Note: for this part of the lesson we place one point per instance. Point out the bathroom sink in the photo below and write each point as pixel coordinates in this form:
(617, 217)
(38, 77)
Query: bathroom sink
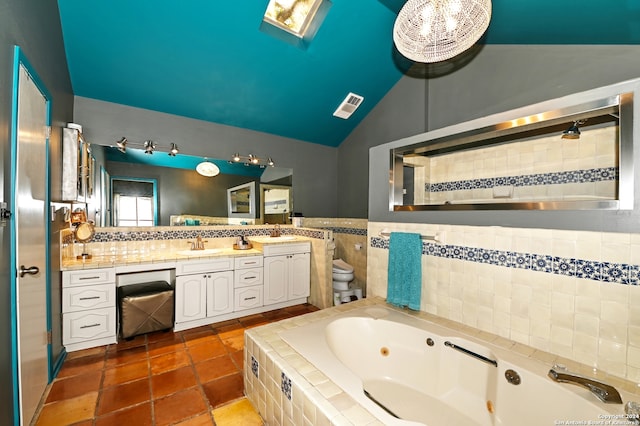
(274, 239)
(205, 252)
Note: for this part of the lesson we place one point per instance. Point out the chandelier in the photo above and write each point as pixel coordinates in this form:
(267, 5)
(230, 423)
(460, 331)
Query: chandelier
(436, 30)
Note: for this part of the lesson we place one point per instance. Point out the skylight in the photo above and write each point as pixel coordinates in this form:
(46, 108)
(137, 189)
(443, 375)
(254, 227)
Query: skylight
(293, 16)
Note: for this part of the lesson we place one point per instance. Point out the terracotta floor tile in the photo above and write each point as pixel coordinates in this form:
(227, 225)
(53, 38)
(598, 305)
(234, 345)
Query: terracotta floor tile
(139, 415)
(179, 406)
(173, 381)
(100, 350)
(73, 386)
(170, 361)
(238, 358)
(201, 420)
(215, 368)
(225, 389)
(233, 340)
(129, 343)
(253, 319)
(117, 397)
(126, 373)
(197, 335)
(125, 355)
(221, 327)
(207, 348)
(237, 413)
(166, 346)
(86, 364)
(112, 384)
(68, 411)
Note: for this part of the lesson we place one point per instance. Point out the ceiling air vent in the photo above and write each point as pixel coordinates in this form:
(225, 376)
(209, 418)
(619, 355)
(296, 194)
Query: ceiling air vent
(348, 106)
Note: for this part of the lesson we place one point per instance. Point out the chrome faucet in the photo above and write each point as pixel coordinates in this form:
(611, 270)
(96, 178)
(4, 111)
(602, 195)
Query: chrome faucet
(604, 392)
(276, 231)
(198, 244)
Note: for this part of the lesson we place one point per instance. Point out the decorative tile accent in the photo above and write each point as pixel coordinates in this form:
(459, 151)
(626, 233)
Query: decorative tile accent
(207, 232)
(285, 386)
(555, 178)
(618, 273)
(255, 367)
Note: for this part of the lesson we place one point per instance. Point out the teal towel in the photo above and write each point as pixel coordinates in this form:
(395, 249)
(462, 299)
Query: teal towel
(404, 285)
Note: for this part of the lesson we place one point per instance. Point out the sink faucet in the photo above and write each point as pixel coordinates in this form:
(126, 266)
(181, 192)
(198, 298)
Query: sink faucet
(276, 230)
(198, 244)
(604, 392)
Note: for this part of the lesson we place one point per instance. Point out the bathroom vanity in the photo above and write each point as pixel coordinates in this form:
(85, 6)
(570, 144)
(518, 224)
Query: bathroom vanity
(217, 286)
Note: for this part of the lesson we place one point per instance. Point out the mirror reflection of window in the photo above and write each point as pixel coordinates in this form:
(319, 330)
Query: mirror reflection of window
(134, 202)
(134, 211)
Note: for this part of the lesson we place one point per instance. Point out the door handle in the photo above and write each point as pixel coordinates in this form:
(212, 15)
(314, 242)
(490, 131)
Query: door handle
(32, 270)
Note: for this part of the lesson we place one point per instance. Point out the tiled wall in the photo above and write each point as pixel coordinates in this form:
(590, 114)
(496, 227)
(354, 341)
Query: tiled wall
(350, 238)
(546, 167)
(571, 293)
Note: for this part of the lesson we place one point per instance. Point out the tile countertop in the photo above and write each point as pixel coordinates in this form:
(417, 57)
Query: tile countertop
(108, 261)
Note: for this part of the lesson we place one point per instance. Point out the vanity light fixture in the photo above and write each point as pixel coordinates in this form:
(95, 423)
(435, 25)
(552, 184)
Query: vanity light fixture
(251, 160)
(573, 132)
(149, 147)
(436, 30)
(207, 168)
(121, 144)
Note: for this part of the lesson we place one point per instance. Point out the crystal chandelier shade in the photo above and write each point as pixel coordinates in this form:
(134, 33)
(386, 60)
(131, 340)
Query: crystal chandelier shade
(436, 30)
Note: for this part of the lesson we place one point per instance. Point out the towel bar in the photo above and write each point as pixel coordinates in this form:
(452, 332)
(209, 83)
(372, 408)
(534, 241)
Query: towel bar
(386, 234)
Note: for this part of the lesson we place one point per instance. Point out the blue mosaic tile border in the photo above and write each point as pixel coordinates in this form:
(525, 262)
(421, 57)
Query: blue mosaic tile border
(345, 230)
(188, 232)
(555, 178)
(618, 273)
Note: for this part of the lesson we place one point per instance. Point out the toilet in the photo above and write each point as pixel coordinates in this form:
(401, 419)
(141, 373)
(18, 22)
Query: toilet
(343, 289)
(342, 274)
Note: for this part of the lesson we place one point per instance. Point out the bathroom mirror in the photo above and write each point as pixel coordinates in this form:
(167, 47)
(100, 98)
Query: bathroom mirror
(576, 157)
(241, 201)
(179, 189)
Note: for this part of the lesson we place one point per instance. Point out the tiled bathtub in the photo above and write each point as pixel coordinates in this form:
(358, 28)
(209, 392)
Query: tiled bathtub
(287, 389)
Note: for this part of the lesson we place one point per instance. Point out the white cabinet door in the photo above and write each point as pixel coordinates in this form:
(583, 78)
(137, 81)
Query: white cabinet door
(276, 275)
(79, 327)
(248, 297)
(299, 275)
(190, 297)
(219, 293)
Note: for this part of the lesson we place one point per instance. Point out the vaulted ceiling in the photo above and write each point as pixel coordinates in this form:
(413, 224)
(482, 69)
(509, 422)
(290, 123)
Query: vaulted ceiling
(209, 60)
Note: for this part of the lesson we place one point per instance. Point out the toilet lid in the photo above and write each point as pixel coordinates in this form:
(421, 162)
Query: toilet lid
(340, 265)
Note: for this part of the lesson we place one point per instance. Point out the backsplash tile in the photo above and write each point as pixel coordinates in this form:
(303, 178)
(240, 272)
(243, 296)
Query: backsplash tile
(571, 293)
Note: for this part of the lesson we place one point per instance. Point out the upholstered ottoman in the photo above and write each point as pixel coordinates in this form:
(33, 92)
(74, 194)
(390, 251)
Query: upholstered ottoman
(145, 307)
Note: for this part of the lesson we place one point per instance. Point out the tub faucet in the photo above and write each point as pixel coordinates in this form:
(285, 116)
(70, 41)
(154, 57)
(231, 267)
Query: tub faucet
(604, 392)
(276, 230)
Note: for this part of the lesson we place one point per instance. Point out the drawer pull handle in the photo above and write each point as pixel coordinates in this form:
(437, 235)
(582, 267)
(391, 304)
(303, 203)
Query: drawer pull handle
(90, 298)
(89, 278)
(90, 325)
(249, 263)
(250, 298)
(250, 278)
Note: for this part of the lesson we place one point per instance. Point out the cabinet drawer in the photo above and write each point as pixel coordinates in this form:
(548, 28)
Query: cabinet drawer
(248, 262)
(93, 276)
(209, 265)
(248, 297)
(248, 277)
(88, 297)
(278, 249)
(88, 325)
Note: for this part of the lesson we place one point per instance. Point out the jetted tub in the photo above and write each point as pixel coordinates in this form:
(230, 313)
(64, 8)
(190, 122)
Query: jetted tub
(408, 371)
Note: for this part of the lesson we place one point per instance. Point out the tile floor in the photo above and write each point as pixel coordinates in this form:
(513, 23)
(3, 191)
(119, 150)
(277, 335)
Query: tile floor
(193, 377)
